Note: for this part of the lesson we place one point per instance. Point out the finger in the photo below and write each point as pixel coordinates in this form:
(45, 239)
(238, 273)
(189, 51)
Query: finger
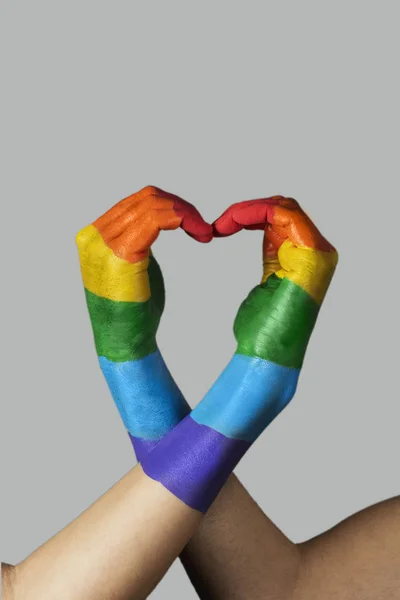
(114, 212)
(271, 262)
(84, 237)
(269, 249)
(285, 217)
(257, 227)
(156, 280)
(126, 204)
(126, 211)
(299, 228)
(251, 214)
(134, 243)
(192, 222)
(132, 214)
(276, 235)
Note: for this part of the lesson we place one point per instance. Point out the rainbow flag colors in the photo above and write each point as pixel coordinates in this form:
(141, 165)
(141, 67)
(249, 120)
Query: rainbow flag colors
(192, 455)
(272, 328)
(125, 297)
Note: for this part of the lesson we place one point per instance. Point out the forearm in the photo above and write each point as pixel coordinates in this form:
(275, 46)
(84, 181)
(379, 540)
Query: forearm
(235, 533)
(151, 405)
(216, 561)
(195, 460)
(119, 548)
(147, 397)
(237, 553)
(273, 327)
(125, 296)
(250, 558)
(359, 558)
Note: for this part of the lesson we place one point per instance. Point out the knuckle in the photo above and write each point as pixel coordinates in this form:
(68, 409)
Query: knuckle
(82, 238)
(150, 190)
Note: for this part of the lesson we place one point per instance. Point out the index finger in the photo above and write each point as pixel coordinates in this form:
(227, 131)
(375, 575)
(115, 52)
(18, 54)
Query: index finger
(250, 214)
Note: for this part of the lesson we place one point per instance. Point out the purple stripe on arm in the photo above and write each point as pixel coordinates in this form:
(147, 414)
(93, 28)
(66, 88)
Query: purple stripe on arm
(193, 462)
(142, 447)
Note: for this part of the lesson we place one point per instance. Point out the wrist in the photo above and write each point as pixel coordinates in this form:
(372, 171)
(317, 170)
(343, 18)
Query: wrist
(147, 397)
(247, 396)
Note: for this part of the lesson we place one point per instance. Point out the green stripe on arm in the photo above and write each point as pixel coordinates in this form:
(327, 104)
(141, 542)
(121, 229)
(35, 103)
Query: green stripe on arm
(123, 330)
(275, 322)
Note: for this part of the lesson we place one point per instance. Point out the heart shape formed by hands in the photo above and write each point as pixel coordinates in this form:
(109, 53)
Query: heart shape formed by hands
(276, 319)
(124, 285)
(125, 296)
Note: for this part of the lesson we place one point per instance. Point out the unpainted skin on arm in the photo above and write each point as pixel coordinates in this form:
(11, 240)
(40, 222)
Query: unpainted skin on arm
(238, 553)
(123, 544)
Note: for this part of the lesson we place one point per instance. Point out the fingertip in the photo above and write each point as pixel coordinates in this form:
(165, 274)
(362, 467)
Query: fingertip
(249, 214)
(207, 234)
(204, 239)
(224, 225)
(192, 222)
(203, 232)
(217, 233)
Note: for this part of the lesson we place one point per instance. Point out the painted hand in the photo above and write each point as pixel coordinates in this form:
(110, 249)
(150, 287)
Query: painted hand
(275, 322)
(272, 328)
(123, 281)
(276, 319)
(125, 296)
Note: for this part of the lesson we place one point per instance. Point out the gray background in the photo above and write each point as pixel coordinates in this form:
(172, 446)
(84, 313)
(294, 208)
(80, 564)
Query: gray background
(217, 102)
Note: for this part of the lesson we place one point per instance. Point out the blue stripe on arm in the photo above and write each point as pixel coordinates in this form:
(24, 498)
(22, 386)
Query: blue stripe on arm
(148, 399)
(246, 397)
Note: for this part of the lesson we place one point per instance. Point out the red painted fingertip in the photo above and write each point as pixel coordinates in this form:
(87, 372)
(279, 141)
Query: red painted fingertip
(192, 221)
(252, 214)
(225, 226)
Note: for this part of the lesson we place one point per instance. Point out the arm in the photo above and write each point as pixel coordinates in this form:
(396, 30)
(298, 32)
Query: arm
(119, 548)
(124, 292)
(283, 557)
(237, 553)
(213, 546)
(149, 401)
(359, 558)
(273, 327)
(125, 296)
(223, 466)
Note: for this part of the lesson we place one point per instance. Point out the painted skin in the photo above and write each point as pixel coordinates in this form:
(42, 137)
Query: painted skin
(276, 319)
(125, 296)
(272, 328)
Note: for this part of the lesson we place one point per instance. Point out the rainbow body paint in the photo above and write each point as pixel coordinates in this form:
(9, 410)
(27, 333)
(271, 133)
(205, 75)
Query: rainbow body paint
(125, 296)
(272, 328)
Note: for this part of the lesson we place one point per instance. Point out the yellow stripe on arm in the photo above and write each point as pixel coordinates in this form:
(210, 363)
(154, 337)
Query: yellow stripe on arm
(270, 266)
(308, 268)
(106, 275)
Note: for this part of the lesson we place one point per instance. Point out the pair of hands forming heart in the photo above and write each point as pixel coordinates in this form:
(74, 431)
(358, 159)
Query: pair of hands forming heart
(191, 453)
(274, 322)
